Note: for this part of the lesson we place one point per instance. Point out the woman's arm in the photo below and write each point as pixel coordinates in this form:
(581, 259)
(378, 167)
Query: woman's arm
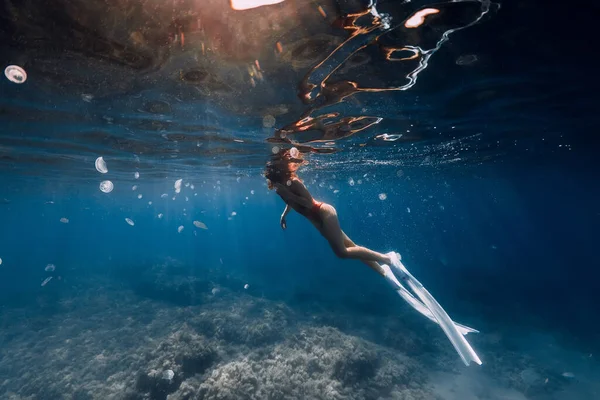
(282, 221)
(288, 196)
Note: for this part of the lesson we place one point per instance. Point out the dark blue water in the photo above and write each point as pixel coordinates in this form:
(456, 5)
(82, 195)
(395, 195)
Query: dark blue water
(489, 192)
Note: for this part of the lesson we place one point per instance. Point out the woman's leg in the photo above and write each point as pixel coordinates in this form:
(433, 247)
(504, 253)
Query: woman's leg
(374, 265)
(337, 240)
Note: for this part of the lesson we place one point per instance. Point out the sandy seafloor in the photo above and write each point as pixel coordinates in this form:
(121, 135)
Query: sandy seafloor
(108, 338)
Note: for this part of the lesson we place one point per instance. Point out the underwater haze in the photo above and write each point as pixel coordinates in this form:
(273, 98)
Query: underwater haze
(141, 252)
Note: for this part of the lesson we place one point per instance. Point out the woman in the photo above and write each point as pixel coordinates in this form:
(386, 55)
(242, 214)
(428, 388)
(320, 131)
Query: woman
(281, 175)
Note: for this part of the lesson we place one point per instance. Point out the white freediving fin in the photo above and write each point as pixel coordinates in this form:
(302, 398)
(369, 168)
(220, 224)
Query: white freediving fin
(453, 333)
(416, 303)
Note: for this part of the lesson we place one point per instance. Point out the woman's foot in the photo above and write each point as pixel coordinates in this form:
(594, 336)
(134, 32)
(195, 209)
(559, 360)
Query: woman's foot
(393, 259)
(396, 265)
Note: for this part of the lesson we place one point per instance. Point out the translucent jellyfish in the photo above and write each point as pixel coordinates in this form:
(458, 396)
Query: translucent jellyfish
(294, 152)
(351, 182)
(160, 216)
(50, 268)
(252, 192)
(140, 196)
(64, 220)
(101, 165)
(275, 149)
(336, 191)
(164, 195)
(246, 286)
(0, 261)
(15, 74)
(180, 229)
(134, 187)
(187, 198)
(187, 184)
(408, 210)
(87, 97)
(268, 121)
(233, 214)
(106, 186)
(192, 187)
(129, 221)
(399, 173)
(177, 185)
(382, 196)
(48, 279)
(467, 59)
(215, 291)
(200, 225)
(149, 203)
(136, 175)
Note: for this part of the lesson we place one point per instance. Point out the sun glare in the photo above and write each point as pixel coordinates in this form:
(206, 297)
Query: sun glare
(248, 4)
(419, 17)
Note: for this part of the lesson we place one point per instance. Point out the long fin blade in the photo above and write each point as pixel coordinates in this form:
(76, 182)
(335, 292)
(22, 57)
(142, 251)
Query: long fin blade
(460, 344)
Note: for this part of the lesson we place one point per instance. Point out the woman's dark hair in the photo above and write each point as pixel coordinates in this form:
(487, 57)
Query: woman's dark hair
(282, 168)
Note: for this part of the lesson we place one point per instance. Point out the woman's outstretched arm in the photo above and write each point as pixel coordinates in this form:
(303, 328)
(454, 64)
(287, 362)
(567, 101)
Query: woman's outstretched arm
(282, 221)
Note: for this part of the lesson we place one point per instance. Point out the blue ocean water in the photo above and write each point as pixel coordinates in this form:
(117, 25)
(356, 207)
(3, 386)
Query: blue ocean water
(180, 283)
